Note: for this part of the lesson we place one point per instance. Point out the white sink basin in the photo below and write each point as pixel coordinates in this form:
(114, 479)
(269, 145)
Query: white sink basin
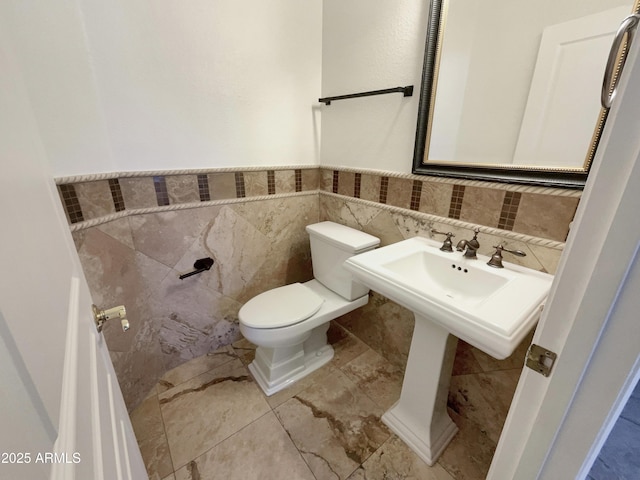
(490, 308)
(440, 276)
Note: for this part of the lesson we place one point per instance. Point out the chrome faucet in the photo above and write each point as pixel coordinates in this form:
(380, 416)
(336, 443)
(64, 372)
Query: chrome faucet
(470, 247)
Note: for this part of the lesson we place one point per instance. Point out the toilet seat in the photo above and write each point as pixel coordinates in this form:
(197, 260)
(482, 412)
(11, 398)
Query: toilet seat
(280, 307)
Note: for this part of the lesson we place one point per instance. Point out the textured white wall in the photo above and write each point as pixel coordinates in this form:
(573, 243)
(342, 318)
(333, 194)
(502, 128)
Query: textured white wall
(143, 85)
(50, 46)
(371, 45)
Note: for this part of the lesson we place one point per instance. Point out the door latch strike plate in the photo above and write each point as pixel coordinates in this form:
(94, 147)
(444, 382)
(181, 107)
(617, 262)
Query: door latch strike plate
(540, 359)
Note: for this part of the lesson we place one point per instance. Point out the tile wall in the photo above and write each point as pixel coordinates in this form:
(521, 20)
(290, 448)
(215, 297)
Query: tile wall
(136, 232)
(533, 211)
(135, 257)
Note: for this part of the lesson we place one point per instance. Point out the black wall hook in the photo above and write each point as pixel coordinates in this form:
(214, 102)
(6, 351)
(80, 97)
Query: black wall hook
(200, 266)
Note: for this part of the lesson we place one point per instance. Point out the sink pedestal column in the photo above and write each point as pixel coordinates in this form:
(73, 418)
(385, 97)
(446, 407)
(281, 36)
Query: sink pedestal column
(420, 417)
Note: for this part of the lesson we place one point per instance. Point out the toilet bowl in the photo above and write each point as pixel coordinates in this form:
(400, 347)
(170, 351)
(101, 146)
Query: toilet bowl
(289, 324)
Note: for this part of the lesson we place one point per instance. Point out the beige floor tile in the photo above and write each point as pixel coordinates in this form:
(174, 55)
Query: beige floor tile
(484, 398)
(200, 413)
(260, 451)
(195, 367)
(146, 419)
(331, 416)
(394, 460)
(157, 460)
(153, 392)
(346, 346)
(334, 425)
(465, 361)
(376, 377)
(245, 350)
(469, 454)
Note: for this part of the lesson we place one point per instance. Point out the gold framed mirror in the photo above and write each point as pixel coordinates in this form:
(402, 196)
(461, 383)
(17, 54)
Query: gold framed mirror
(514, 95)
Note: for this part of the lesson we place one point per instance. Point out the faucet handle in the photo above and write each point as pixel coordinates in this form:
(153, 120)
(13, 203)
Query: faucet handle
(518, 253)
(447, 245)
(496, 258)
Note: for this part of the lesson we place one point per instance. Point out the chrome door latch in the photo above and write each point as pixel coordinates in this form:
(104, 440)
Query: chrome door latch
(540, 359)
(101, 316)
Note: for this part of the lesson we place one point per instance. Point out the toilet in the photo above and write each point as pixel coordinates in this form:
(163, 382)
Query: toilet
(289, 324)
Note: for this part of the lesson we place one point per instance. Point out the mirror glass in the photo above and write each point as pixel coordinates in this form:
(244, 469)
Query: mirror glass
(511, 91)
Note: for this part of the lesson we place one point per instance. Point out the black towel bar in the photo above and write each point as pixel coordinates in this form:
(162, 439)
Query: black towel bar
(406, 91)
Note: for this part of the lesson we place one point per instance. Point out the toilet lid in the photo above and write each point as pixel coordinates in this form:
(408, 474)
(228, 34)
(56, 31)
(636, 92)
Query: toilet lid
(280, 307)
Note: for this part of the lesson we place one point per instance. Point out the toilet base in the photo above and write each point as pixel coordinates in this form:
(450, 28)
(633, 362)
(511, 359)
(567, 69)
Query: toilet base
(310, 363)
(285, 355)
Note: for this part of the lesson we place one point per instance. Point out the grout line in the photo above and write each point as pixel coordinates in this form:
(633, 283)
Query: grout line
(164, 429)
(542, 264)
(294, 444)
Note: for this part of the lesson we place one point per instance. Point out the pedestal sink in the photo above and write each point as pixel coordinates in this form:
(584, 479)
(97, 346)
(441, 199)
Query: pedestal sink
(452, 297)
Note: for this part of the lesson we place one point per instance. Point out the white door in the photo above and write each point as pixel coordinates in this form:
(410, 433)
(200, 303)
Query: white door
(564, 99)
(557, 424)
(62, 415)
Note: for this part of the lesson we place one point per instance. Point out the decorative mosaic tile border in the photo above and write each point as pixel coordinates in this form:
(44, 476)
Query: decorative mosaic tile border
(558, 192)
(71, 203)
(95, 199)
(537, 212)
(529, 239)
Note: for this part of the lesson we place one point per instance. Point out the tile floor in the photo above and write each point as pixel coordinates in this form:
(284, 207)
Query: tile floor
(208, 419)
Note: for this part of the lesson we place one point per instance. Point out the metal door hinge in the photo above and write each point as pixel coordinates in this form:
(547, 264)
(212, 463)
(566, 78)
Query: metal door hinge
(540, 359)
(101, 316)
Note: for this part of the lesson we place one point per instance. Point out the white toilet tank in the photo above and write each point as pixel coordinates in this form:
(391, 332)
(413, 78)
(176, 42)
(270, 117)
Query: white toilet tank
(331, 245)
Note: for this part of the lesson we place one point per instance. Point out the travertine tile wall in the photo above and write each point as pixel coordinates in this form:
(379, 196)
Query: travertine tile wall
(136, 233)
(136, 256)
